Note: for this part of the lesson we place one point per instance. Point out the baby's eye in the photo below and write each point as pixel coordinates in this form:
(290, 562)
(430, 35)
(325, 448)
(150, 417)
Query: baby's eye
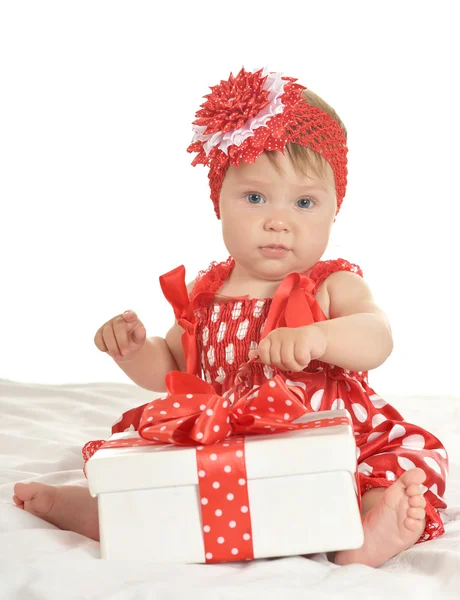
(303, 203)
(255, 198)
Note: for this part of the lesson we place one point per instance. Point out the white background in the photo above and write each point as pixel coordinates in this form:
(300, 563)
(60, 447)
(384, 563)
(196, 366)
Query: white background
(98, 197)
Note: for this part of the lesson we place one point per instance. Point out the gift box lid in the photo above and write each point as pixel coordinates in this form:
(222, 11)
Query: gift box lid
(315, 450)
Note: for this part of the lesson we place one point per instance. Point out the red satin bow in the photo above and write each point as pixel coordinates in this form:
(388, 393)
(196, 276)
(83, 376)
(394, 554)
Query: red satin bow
(175, 291)
(193, 413)
(293, 304)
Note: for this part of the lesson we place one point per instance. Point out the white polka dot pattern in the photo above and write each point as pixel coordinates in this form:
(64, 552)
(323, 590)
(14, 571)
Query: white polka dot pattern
(229, 354)
(338, 404)
(433, 464)
(236, 312)
(414, 442)
(397, 432)
(377, 419)
(211, 355)
(242, 329)
(374, 436)
(215, 313)
(365, 468)
(360, 412)
(268, 371)
(258, 308)
(221, 332)
(377, 401)
(220, 375)
(294, 384)
(316, 399)
(405, 463)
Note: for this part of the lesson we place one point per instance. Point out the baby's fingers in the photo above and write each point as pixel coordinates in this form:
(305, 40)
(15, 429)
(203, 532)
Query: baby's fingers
(288, 357)
(99, 340)
(129, 336)
(110, 341)
(139, 334)
(302, 355)
(120, 328)
(264, 351)
(275, 354)
(135, 328)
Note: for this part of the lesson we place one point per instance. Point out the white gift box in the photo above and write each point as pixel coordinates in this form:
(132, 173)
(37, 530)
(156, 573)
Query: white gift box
(301, 487)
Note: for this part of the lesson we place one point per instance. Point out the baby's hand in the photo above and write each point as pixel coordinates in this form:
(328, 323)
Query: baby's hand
(291, 348)
(121, 337)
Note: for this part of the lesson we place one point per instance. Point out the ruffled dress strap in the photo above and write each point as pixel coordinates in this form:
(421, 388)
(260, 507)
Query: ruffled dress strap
(322, 269)
(186, 307)
(209, 281)
(175, 291)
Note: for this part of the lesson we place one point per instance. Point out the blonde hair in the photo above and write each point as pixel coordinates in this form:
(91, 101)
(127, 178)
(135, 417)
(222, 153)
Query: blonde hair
(305, 160)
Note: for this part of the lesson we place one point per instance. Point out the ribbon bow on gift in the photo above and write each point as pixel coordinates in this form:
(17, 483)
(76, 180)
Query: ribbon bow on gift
(193, 413)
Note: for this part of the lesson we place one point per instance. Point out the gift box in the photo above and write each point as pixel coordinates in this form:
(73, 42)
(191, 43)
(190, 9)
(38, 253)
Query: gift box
(245, 497)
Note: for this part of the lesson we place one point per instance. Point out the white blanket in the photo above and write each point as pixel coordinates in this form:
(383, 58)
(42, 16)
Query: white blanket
(41, 433)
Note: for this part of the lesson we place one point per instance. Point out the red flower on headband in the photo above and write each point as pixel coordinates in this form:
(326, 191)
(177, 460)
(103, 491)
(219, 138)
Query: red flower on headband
(243, 113)
(263, 111)
(233, 102)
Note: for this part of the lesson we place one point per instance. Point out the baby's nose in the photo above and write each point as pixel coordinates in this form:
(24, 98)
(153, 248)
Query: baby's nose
(277, 224)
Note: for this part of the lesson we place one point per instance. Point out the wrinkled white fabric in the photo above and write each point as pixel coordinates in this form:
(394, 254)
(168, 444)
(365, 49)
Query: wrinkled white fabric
(42, 430)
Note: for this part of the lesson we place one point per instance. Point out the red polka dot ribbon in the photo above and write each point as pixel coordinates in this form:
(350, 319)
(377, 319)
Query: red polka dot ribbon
(225, 513)
(193, 414)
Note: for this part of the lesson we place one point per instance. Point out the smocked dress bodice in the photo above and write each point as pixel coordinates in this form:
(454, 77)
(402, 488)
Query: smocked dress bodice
(227, 329)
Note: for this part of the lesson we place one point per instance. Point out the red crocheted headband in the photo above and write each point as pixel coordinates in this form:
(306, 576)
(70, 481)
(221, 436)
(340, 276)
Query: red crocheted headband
(259, 111)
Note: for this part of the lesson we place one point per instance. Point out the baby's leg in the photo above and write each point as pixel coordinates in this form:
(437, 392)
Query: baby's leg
(68, 507)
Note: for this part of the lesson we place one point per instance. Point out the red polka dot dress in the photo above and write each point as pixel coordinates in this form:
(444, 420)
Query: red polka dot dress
(220, 332)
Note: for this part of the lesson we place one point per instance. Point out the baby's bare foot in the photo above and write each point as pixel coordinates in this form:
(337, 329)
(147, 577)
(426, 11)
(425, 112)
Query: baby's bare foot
(36, 498)
(392, 525)
(68, 507)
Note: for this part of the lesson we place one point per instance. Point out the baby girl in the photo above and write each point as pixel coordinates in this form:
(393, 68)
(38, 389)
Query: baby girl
(277, 158)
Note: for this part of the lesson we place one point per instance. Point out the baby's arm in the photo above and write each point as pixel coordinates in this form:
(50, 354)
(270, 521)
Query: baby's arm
(149, 367)
(358, 332)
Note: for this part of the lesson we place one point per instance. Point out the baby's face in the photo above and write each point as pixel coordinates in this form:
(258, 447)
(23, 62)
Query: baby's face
(261, 209)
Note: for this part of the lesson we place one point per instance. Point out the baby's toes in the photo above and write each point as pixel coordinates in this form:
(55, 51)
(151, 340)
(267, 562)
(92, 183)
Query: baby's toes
(416, 513)
(412, 524)
(417, 501)
(412, 477)
(415, 475)
(25, 491)
(414, 490)
(34, 497)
